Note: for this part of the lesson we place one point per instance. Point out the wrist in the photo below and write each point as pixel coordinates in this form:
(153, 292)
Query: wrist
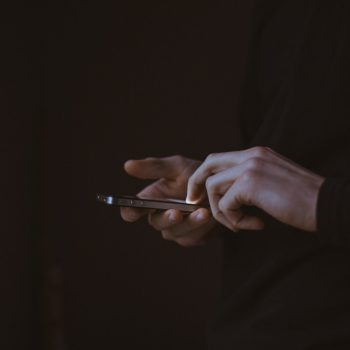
(316, 185)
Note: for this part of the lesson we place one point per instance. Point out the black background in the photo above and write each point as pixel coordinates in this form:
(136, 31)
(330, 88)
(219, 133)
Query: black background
(86, 86)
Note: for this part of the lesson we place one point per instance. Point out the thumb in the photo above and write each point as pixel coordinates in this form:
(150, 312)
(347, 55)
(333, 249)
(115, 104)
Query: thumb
(153, 168)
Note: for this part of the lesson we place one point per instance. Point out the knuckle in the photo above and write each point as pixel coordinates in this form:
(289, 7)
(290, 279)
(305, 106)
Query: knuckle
(255, 163)
(260, 151)
(250, 184)
(208, 157)
(157, 163)
(209, 182)
(178, 158)
(212, 186)
(211, 156)
(250, 177)
(194, 181)
(190, 181)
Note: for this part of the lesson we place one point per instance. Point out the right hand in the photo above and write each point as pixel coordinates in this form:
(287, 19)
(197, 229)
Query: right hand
(171, 175)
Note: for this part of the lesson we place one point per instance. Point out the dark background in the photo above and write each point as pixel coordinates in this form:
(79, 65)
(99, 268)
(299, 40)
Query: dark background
(86, 86)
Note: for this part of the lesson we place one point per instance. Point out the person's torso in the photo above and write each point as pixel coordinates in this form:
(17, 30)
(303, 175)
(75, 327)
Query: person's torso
(282, 288)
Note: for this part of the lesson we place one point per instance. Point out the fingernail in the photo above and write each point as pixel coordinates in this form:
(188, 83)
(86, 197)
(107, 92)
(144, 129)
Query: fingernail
(127, 163)
(190, 200)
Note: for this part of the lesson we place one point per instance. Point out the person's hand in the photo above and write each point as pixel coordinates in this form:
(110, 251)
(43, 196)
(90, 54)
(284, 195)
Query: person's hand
(171, 175)
(256, 177)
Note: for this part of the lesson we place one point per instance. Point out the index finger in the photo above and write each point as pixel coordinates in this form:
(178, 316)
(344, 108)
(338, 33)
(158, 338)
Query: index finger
(153, 168)
(213, 164)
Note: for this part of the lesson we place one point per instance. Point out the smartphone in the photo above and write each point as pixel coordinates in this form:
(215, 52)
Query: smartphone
(149, 203)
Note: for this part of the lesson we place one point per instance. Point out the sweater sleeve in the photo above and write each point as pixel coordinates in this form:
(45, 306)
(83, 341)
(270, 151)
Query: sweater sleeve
(333, 212)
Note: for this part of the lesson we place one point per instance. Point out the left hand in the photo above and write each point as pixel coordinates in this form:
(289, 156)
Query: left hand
(256, 177)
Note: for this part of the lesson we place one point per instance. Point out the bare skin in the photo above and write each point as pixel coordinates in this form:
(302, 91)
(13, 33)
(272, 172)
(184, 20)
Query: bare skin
(255, 177)
(261, 178)
(171, 175)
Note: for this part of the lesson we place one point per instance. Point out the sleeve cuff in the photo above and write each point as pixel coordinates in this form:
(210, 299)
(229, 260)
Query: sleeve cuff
(329, 220)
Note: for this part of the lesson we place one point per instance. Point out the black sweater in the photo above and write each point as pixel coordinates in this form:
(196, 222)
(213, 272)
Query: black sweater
(284, 288)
